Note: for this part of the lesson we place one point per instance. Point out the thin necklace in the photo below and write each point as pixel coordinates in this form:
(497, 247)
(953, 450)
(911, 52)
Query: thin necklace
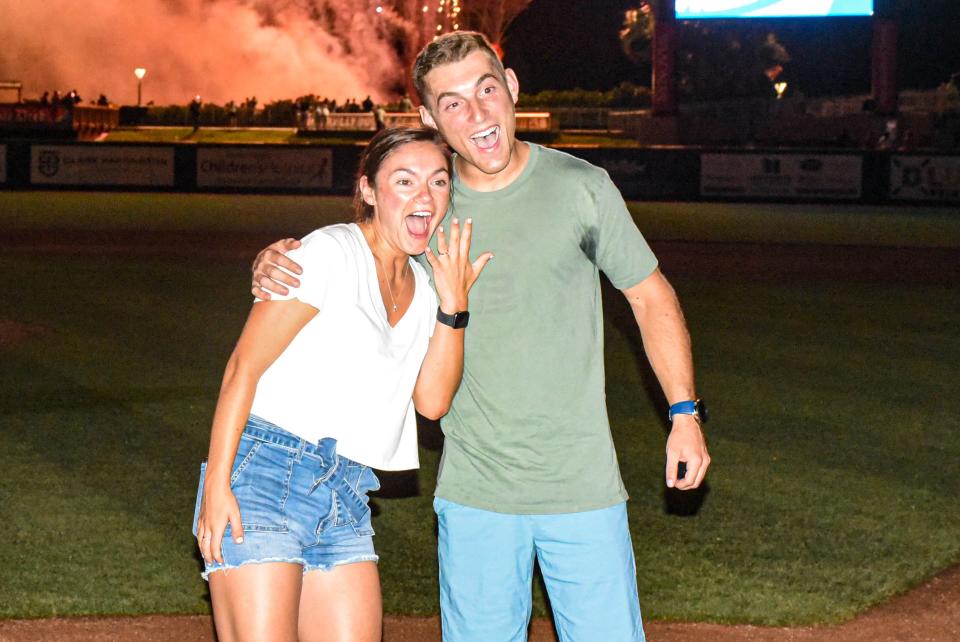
(403, 276)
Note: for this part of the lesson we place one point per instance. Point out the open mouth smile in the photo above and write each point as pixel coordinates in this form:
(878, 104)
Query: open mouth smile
(418, 223)
(487, 138)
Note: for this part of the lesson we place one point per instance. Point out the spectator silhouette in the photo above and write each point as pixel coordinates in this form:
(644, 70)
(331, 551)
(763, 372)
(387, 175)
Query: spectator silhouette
(321, 116)
(380, 117)
(195, 113)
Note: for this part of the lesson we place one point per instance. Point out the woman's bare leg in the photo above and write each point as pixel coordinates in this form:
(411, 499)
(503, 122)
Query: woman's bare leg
(342, 605)
(257, 602)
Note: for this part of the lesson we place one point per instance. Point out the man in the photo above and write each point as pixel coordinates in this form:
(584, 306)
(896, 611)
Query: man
(322, 115)
(379, 117)
(195, 105)
(528, 465)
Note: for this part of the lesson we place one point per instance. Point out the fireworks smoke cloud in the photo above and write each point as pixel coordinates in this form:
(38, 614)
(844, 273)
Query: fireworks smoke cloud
(220, 49)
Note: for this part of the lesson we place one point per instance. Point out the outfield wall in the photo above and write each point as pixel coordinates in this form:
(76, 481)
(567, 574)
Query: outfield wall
(662, 173)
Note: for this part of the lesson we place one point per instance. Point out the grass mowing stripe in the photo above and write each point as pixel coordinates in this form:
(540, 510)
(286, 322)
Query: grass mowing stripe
(821, 469)
(286, 215)
(95, 525)
(832, 425)
(882, 225)
(297, 215)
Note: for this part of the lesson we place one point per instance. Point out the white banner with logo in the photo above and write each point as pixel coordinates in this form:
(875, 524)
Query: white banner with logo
(101, 165)
(269, 167)
(3, 163)
(925, 178)
(787, 175)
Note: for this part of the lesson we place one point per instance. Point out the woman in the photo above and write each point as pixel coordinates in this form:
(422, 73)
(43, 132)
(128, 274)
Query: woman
(322, 386)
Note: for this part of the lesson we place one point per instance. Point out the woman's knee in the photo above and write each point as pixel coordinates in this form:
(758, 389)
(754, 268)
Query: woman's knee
(256, 602)
(342, 605)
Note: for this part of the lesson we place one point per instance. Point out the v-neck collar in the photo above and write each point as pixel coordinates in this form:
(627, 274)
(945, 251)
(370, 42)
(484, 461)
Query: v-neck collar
(373, 283)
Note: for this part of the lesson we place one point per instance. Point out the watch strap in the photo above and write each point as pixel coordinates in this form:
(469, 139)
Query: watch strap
(457, 320)
(689, 407)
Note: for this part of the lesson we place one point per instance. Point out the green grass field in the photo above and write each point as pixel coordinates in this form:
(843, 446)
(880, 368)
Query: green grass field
(873, 225)
(288, 135)
(218, 135)
(834, 437)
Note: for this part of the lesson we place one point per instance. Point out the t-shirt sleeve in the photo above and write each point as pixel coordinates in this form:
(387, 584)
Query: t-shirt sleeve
(613, 241)
(323, 261)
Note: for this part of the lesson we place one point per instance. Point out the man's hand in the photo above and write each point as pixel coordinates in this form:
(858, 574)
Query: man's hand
(273, 271)
(686, 444)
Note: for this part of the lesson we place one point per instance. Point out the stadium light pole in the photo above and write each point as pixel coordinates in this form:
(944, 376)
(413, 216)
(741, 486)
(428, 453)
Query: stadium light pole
(884, 58)
(139, 72)
(664, 47)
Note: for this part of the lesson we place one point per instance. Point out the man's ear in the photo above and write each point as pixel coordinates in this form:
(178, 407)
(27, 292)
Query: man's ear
(366, 191)
(427, 118)
(513, 85)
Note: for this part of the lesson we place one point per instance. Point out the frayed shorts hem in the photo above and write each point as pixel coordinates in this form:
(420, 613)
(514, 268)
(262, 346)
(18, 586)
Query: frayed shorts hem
(307, 568)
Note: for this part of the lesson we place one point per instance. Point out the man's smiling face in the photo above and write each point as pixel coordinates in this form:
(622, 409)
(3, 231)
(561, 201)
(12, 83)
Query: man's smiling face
(471, 102)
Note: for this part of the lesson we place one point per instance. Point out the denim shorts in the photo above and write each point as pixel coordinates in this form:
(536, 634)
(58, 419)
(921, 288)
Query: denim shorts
(300, 502)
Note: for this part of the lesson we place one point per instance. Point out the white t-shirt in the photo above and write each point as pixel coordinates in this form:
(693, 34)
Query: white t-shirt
(347, 374)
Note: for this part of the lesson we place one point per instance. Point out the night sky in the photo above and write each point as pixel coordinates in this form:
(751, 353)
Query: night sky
(562, 44)
(224, 50)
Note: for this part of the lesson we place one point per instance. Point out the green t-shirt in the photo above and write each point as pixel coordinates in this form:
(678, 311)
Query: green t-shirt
(528, 432)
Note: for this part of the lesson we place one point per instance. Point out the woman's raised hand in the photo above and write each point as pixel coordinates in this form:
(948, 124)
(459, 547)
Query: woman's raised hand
(453, 273)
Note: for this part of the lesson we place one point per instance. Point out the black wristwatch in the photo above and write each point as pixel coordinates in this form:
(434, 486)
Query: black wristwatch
(457, 320)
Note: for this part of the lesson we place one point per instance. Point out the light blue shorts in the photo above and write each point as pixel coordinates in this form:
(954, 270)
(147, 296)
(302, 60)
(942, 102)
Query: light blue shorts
(300, 502)
(486, 569)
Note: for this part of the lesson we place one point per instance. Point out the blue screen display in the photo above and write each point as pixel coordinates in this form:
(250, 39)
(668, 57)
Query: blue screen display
(699, 9)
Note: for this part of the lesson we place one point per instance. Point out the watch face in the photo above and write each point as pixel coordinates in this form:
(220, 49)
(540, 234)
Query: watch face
(457, 320)
(701, 409)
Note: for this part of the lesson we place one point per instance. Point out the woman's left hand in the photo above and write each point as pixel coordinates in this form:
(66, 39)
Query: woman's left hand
(453, 273)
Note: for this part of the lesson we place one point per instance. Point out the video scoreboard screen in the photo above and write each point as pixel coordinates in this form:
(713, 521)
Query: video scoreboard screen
(701, 9)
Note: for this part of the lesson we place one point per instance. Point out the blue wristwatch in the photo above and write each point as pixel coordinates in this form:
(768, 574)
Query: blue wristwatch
(694, 407)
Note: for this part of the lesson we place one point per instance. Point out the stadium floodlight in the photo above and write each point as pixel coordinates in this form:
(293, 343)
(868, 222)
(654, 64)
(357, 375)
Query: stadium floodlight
(139, 72)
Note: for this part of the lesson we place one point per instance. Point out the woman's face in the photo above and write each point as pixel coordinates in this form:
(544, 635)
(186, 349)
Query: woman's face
(409, 195)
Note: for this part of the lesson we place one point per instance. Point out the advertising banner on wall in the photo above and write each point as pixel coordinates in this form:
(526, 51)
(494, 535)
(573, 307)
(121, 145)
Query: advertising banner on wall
(646, 173)
(29, 115)
(785, 175)
(265, 167)
(925, 178)
(101, 165)
(3, 163)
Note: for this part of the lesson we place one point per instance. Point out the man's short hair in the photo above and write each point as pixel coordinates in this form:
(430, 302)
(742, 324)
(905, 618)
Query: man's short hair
(448, 48)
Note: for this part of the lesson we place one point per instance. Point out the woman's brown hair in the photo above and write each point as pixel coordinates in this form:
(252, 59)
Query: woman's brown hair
(384, 143)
